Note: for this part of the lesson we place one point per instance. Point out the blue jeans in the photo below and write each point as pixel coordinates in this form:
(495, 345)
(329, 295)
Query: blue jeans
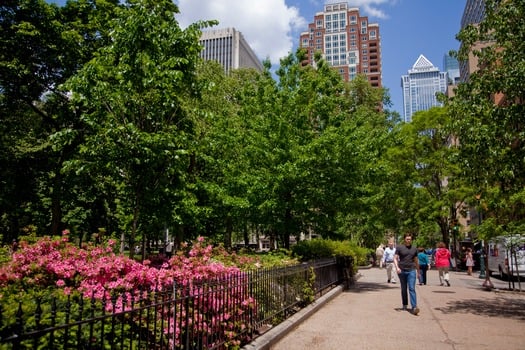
(407, 279)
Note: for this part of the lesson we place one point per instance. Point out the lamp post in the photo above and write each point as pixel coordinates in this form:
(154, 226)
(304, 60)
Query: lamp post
(482, 272)
(482, 266)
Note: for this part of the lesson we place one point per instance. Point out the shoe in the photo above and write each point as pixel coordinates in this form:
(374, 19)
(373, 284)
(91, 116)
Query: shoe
(393, 281)
(448, 283)
(404, 308)
(388, 281)
(441, 284)
(415, 311)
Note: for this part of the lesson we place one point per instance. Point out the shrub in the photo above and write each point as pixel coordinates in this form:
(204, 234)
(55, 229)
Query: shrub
(325, 248)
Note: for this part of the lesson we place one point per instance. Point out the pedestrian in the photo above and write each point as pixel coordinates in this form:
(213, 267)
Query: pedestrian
(424, 265)
(469, 260)
(388, 260)
(380, 251)
(407, 268)
(169, 249)
(14, 246)
(442, 255)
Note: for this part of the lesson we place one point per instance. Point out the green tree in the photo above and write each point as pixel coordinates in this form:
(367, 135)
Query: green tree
(41, 46)
(427, 159)
(488, 114)
(130, 99)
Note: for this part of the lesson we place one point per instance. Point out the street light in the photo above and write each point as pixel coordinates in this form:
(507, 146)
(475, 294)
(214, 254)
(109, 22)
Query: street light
(482, 267)
(482, 272)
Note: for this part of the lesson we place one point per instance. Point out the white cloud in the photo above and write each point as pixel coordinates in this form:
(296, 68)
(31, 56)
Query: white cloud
(369, 7)
(269, 26)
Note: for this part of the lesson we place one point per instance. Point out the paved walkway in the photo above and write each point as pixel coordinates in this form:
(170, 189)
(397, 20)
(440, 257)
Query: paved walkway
(368, 316)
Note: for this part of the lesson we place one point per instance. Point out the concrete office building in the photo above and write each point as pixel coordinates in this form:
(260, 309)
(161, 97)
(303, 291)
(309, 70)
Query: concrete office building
(347, 41)
(420, 86)
(229, 48)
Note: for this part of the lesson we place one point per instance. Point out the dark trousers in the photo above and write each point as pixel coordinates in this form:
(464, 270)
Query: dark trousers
(423, 274)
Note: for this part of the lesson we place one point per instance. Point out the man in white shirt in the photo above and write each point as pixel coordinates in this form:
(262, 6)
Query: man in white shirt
(388, 260)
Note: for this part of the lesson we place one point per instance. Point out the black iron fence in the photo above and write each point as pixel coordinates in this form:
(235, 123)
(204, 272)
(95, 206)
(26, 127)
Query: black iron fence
(217, 313)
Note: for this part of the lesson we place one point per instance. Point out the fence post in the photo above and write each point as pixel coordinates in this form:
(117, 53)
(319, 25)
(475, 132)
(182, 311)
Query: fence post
(345, 265)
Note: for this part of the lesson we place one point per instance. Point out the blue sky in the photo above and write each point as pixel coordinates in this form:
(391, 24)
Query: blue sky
(408, 28)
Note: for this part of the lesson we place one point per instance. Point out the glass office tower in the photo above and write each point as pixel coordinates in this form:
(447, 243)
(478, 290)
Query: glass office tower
(420, 86)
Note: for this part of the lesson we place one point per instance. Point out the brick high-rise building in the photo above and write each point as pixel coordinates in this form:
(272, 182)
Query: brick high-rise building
(348, 42)
(473, 14)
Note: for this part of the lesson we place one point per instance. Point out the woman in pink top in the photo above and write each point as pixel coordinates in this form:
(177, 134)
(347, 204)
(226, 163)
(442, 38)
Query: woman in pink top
(442, 260)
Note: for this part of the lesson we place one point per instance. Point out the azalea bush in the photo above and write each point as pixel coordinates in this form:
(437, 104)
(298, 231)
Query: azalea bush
(53, 267)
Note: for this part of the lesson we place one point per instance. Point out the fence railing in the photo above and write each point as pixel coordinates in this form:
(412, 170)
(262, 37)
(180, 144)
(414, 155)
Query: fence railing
(208, 314)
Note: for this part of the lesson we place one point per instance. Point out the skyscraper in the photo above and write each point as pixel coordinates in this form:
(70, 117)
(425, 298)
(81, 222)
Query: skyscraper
(420, 86)
(451, 66)
(348, 42)
(229, 48)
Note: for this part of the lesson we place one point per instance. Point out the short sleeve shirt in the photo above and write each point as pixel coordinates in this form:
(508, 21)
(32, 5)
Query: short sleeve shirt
(406, 257)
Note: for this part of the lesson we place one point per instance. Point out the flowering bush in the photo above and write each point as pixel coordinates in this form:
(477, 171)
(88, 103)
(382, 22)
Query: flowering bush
(97, 272)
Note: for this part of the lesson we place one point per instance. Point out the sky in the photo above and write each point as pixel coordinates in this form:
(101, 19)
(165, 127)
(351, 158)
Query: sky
(408, 28)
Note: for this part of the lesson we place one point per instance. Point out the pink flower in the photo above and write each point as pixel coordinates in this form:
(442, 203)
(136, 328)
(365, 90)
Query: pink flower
(60, 283)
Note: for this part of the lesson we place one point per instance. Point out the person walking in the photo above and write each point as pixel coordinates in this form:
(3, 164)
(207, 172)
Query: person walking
(380, 251)
(388, 260)
(469, 261)
(407, 268)
(442, 256)
(423, 266)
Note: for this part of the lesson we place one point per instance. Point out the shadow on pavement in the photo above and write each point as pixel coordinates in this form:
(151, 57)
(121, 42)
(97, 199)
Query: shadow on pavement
(498, 307)
(364, 287)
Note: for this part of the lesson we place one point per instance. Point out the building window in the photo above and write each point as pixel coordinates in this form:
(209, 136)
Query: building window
(363, 24)
(353, 19)
(364, 38)
(317, 33)
(363, 30)
(319, 23)
(373, 34)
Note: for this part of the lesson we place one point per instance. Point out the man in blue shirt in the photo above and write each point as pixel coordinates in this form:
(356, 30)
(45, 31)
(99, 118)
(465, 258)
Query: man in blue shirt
(388, 260)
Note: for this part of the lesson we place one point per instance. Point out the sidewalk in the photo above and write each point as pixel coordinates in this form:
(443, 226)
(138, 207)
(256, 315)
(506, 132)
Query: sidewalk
(368, 316)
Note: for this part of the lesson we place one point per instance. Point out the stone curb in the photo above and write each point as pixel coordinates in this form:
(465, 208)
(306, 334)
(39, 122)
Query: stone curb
(272, 336)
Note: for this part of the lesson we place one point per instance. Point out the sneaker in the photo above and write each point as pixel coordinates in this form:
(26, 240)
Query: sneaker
(448, 283)
(404, 308)
(415, 311)
(388, 281)
(393, 281)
